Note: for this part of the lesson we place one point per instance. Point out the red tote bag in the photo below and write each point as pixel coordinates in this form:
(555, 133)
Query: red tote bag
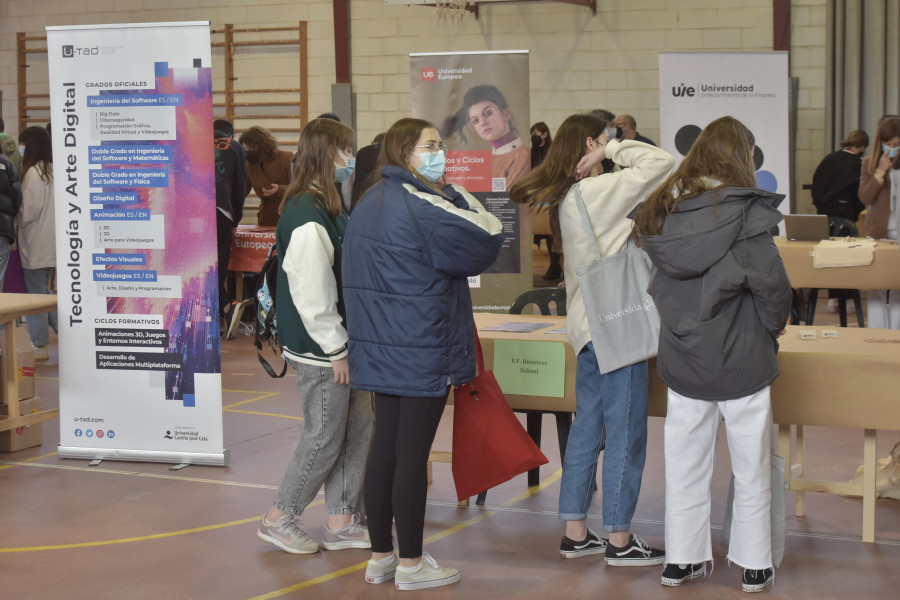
(490, 446)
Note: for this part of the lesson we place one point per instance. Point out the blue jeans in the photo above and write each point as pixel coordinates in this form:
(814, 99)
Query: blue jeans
(617, 403)
(333, 445)
(36, 282)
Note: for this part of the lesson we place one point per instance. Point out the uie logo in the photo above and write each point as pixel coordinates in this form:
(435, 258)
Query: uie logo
(681, 91)
(68, 51)
(429, 74)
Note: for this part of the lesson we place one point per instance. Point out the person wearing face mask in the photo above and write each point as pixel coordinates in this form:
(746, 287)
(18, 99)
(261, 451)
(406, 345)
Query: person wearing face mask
(409, 248)
(541, 140)
(268, 172)
(879, 188)
(625, 128)
(337, 419)
(835, 187)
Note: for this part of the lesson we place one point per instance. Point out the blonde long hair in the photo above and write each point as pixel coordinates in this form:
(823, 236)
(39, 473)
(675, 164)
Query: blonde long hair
(721, 157)
(314, 167)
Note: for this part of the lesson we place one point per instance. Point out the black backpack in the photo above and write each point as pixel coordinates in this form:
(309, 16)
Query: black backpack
(266, 326)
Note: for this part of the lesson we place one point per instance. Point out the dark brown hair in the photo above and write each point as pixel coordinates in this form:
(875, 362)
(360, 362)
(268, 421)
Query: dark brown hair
(545, 187)
(722, 156)
(314, 168)
(38, 153)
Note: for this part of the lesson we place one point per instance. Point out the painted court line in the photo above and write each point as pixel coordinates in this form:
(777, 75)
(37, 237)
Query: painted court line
(261, 396)
(141, 538)
(138, 474)
(262, 414)
(487, 513)
(25, 462)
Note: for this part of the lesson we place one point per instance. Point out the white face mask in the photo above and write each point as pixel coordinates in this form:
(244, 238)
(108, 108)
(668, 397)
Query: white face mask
(21, 150)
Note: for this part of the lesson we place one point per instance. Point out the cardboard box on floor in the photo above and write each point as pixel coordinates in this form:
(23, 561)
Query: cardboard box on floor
(22, 437)
(24, 363)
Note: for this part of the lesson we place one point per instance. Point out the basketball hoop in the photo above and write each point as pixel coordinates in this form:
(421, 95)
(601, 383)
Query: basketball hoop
(450, 10)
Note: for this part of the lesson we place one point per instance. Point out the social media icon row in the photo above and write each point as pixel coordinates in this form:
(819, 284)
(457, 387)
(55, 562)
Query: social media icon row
(99, 433)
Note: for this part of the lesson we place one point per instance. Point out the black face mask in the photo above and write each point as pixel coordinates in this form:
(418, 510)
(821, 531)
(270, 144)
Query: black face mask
(536, 141)
(252, 156)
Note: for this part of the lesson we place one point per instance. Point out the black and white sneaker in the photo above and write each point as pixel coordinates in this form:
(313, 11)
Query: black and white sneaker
(636, 553)
(592, 544)
(756, 580)
(674, 575)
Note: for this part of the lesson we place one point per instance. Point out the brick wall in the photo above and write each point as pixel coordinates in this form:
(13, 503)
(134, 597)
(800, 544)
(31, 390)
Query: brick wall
(578, 61)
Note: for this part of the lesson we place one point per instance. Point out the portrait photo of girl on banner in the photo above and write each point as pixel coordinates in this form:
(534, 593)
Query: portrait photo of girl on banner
(486, 113)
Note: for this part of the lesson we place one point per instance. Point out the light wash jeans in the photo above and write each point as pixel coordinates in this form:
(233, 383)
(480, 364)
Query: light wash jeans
(616, 402)
(36, 281)
(690, 448)
(333, 446)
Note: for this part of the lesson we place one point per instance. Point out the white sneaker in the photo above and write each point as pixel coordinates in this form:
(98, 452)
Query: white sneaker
(379, 571)
(285, 534)
(41, 353)
(354, 535)
(427, 574)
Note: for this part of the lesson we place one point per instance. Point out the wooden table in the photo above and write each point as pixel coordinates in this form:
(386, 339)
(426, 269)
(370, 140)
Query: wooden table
(882, 274)
(12, 306)
(813, 389)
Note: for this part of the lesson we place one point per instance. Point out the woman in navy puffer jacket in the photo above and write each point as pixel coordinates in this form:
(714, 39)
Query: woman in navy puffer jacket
(410, 245)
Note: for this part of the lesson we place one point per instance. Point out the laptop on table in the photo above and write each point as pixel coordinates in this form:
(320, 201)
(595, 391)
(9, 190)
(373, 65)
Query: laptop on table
(806, 227)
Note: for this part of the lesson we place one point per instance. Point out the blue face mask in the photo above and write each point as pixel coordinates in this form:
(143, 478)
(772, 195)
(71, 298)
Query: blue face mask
(614, 132)
(342, 173)
(891, 152)
(433, 165)
(22, 150)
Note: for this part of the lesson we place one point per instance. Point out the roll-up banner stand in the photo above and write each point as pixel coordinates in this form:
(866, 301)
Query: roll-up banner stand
(697, 88)
(479, 102)
(139, 356)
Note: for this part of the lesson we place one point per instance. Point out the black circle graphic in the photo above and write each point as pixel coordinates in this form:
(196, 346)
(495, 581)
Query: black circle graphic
(758, 157)
(685, 138)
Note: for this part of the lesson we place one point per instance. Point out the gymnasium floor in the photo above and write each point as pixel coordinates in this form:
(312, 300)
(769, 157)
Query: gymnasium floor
(125, 530)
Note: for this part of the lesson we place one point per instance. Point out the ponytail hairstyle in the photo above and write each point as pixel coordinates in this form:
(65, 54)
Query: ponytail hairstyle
(314, 167)
(545, 187)
(856, 139)
(722, 156)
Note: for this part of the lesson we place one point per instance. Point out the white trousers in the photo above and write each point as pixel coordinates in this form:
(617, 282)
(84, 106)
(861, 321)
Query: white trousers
(881, 313)
(690, 448)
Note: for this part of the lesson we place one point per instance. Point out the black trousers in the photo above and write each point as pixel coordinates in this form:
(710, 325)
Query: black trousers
(396, 474)
(224, 232)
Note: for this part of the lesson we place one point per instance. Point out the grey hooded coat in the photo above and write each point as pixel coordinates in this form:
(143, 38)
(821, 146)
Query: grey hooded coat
(722, 293)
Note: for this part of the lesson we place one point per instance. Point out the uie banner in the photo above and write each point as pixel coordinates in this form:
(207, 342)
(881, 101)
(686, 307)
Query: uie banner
(479, 103)
(139, 362)
(697, 88)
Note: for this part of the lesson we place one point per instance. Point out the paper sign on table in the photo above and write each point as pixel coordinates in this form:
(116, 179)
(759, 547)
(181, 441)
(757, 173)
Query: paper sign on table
(530, 368)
